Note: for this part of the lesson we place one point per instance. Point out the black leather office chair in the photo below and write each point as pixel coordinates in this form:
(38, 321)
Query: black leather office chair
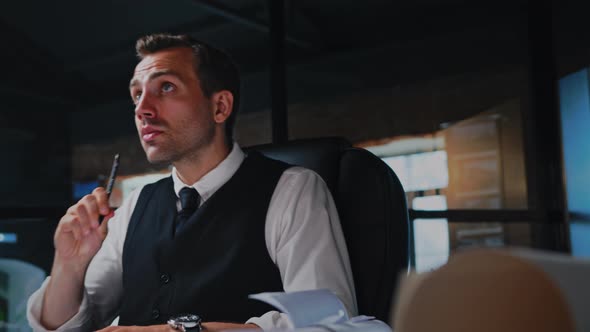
(372, 207)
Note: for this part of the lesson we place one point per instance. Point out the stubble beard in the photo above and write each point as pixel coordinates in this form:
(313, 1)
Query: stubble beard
(169, 153)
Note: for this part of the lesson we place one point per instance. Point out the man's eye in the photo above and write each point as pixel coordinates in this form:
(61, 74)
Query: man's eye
(167, 87)
(136, 97)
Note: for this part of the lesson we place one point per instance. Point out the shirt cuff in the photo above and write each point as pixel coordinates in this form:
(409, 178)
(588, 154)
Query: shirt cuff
(79, 322)
(272, 320)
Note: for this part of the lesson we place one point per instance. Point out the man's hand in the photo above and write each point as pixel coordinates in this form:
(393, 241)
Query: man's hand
(77, 239)
(207, 327)
(79, 236)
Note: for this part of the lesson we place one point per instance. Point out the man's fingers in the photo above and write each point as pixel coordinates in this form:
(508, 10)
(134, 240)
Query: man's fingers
(102, 200)
(84, 217)
(91, 204)
(74, 227)
(103, 229)
(70, 223)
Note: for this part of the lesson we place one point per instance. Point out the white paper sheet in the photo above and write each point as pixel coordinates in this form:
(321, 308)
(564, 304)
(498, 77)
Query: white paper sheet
(307, 308)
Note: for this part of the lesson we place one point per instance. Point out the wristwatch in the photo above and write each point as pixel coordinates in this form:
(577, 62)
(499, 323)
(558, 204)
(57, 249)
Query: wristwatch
(186, 322)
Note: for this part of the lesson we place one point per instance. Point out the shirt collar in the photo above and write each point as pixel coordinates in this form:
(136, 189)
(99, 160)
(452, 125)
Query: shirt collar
(217, 177)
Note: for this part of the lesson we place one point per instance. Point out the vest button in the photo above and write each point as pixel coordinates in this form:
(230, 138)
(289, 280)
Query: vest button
(155, 314)
(164, 278)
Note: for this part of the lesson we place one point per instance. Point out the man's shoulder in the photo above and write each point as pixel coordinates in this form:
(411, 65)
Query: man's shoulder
(148, 188)
(299, 175)
(163, 181)
(290, 175)
(295, 170)
(133, 194)
(257, 162)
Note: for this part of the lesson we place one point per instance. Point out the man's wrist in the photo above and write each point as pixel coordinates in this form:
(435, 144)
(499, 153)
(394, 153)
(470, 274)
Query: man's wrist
(74, 270)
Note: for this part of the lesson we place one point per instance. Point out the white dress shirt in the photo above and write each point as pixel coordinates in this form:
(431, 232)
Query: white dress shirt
(302, 232)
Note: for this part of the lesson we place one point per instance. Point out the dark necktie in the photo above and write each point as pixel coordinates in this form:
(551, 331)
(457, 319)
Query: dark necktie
(189, 202)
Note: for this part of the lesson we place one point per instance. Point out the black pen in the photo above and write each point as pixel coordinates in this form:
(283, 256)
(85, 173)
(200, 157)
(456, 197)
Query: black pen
(111, 182)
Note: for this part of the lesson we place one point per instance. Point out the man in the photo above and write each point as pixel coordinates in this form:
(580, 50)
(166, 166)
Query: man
(259, 225)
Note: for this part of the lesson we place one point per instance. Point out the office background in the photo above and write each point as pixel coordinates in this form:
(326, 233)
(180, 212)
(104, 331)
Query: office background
(481, 107)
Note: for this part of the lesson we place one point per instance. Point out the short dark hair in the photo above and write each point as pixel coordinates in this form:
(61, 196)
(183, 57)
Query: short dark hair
(215, 69)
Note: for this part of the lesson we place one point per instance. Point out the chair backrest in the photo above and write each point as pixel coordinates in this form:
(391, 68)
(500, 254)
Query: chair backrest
(373, 211)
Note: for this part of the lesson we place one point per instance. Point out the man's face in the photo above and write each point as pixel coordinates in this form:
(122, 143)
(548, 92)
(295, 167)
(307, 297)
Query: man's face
(174, 119)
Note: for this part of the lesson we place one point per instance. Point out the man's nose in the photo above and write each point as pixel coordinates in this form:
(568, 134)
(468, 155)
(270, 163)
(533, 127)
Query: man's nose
(145, 107)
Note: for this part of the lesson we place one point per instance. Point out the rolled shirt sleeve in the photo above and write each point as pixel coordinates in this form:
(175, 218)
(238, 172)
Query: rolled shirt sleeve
(305, 240)
(103, 286)
(80, 322)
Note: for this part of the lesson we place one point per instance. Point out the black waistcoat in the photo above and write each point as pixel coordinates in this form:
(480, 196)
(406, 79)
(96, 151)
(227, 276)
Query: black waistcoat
(214, 263)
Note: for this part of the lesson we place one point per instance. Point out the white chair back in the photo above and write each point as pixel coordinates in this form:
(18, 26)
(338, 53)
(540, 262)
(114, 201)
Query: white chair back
(18, 280)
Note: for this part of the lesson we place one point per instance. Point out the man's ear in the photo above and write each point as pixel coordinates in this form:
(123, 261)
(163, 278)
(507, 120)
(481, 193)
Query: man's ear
(223, 103)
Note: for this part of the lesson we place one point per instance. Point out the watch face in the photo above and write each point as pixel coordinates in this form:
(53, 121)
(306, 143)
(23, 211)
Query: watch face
(188, 320)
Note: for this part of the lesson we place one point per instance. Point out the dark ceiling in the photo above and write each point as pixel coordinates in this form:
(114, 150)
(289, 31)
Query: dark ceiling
(80, 53)
(66, 66)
